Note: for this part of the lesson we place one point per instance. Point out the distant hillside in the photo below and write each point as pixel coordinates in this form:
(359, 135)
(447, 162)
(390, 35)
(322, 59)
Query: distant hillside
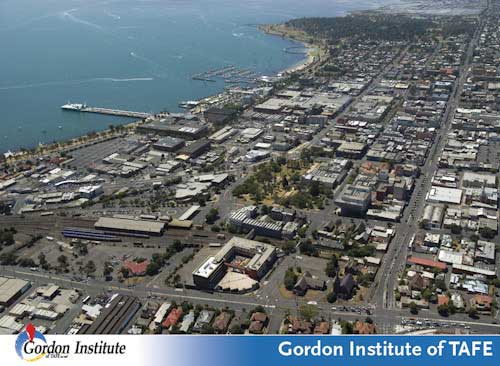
(373, 26)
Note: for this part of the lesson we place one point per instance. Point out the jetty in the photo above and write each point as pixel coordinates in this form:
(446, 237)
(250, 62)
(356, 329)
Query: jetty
(113, 112)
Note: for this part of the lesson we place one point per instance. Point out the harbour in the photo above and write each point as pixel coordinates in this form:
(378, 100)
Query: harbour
(228, 74)
(151, 77)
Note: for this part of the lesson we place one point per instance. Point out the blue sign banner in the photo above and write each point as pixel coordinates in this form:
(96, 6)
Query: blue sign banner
(252, 350)
(338, 351)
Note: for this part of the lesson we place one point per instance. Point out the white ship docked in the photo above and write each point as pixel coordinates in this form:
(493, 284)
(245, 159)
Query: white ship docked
(74, 106)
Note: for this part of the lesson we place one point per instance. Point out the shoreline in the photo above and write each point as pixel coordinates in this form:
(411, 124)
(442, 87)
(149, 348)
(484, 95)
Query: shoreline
(313, 52)
(279, 30)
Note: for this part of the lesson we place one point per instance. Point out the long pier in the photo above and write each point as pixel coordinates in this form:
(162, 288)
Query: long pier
(112, 112)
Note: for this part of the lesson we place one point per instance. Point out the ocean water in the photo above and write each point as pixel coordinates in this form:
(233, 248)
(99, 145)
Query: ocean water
(129, 54)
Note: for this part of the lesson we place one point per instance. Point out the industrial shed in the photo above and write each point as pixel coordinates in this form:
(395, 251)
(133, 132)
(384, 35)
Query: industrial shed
(130, 226)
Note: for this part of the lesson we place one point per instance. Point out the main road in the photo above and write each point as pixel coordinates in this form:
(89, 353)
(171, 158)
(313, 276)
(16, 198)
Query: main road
(395, 259)
(276, 308)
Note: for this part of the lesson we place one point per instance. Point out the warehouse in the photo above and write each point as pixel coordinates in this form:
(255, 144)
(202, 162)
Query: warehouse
(169, 144)
(130, 226)
(185, 129)
(194, 149)
(11, 289)
(115, 317)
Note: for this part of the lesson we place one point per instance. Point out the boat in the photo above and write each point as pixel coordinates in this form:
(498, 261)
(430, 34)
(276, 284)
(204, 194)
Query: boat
(189, 104)
(74, 106)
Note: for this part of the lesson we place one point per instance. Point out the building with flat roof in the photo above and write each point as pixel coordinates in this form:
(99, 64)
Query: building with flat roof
(253, 259)
(473, 270)
(485, 251)
(251, 133)
(353, 150)
(11, 289)
(354, 199)
(444, 195)
(189, 213)
(479, 180)
(219, 115)
(186, 129)
(130, 226)
(114, 317)
(194, 149)
(169, 144)
(329, 173)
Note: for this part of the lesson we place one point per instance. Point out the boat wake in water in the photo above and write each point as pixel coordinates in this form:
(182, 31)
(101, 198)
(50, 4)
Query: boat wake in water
(74, 82)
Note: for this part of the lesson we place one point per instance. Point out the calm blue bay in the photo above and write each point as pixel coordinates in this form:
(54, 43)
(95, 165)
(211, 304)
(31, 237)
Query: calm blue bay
(135, 55)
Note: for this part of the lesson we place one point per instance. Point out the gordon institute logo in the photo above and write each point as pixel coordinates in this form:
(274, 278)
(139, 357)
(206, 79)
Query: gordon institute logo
(31, 344)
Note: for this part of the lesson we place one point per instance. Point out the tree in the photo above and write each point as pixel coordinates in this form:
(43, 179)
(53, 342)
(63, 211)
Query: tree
(423, 223)
(314, 190)
(7, 237)
(443, 310)
(487, 233)
(63, 262)
(427, 293)
(413, 308)
(42, 260)
(331, 297)
(495, 282)
(207, 329)
(455, 229)
(8, 259)
(347, 327)
(332, 267)
(125, 272)
(308, 312)
(236, 329)
(473, 313)
(307, 247)
(289, 247)
(90, 268)
(153, 268)
(177, 245)
(290, 279)
(82, 248)
(212, 215)
(441, 284)
(107, 270)
(26, 262)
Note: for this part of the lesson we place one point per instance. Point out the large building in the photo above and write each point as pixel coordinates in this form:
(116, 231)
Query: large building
(445, 195)
(115, 317)
(169, 144)
(354, 200)
(218, 115)
(11, 289)
(186, 129)
(146, 227)
(250, 257)
(194, 149)
(245, 219)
